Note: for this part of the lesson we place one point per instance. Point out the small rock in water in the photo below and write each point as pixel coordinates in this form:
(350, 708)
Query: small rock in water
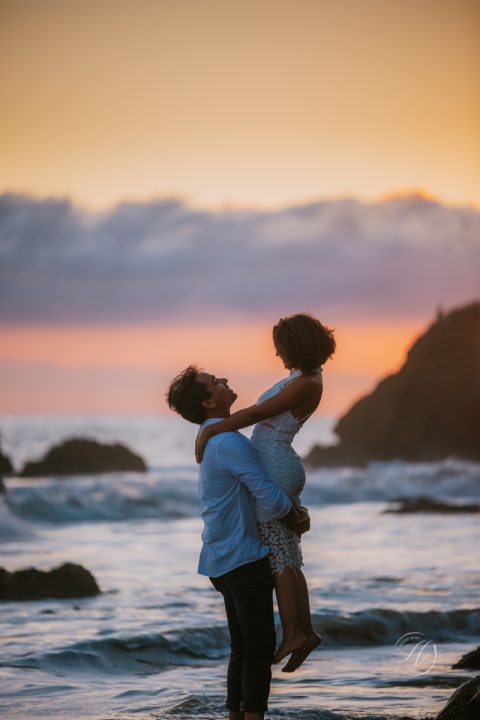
(66, 581)
(81, 456)
(470, 661)
(426, 504)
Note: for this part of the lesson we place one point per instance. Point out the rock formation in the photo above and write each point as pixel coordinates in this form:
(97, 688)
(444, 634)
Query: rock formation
(464, 704)
(5, 464)
(79, 456)
(426, 504)
(470, 661)
(428, 410)
(66, 581)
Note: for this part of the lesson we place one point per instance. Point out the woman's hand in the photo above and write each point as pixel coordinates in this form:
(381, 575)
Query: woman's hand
(201, 443)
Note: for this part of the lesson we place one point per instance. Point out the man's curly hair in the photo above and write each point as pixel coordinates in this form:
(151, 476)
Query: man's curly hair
(185, 395)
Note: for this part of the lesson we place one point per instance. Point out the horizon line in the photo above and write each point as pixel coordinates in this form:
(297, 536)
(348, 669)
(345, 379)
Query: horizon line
(414, 193)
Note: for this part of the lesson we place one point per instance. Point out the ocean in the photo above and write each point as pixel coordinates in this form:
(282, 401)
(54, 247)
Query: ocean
(394, 596)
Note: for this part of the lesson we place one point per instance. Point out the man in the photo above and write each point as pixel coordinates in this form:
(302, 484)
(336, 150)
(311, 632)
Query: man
(233, 555)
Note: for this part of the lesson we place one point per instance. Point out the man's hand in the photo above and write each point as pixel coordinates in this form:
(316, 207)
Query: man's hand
(302, 525)
(297, 519)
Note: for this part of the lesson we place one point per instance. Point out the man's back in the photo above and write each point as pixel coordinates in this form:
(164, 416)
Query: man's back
(230, 478)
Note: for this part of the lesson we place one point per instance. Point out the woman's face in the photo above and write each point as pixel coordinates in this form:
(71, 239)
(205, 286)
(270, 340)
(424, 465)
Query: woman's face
(281, 353)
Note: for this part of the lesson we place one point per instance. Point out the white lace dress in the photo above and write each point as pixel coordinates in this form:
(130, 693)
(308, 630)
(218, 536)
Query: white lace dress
(272, 441)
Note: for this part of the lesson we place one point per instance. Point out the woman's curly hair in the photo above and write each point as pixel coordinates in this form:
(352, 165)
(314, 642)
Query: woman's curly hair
(303, 341)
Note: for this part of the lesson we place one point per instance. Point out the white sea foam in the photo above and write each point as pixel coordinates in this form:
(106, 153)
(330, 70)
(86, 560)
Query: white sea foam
(112, 497)
(171, 493)
(381, 481)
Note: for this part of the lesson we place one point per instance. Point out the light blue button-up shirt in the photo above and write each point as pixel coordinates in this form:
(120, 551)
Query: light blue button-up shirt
(230, 480)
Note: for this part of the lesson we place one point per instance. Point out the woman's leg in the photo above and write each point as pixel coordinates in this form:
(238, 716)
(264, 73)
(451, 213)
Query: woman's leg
(304, 603)
(288, 601)
(312, 639)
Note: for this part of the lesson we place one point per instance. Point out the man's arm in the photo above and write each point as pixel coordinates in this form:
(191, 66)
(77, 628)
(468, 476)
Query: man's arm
(236, 456)
(295, 393)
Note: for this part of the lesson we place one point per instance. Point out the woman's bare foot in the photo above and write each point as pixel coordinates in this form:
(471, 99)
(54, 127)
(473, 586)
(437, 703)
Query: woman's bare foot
(288, 646)
(299, 656)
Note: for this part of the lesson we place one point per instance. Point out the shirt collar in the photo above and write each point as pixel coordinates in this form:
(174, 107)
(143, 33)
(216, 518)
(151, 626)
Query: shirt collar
(210, 421)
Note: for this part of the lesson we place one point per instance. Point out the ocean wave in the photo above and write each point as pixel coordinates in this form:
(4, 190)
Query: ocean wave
(152, 653)
(384, 481)
(172, 493)
(380, 626)
(12, 528)
(143, 654)
(104, 498)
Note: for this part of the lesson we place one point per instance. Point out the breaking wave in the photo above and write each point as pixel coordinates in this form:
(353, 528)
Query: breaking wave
(172, 493)
(150, 653)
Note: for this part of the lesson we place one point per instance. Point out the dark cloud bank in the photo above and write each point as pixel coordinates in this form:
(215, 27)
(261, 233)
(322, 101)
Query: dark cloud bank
(164, 261)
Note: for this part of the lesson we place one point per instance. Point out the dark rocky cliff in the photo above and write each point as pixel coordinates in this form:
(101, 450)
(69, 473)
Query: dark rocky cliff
(428, 410)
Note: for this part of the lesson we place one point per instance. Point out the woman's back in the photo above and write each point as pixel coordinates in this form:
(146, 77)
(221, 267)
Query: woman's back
(272, 441)
(284, 425)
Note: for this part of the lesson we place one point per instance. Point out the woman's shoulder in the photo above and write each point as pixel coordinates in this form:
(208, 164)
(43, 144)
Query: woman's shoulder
(310, 378)
(307, 379)
(276, 387)
(307, 386)
(296, 376)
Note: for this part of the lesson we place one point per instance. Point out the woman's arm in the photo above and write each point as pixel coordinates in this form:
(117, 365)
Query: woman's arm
(295, 393)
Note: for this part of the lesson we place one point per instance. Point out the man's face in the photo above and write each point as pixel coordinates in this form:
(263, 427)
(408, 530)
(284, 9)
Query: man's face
(221, 395)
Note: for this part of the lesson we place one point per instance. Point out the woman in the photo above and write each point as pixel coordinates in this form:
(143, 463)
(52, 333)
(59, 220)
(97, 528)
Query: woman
(304, 345)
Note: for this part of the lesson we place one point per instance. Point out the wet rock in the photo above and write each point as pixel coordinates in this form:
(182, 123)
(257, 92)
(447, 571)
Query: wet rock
(464, 704)
(66, 581)
(426, 504)
(470, 661)
(5, 464)
(80, 456)
(429, 410)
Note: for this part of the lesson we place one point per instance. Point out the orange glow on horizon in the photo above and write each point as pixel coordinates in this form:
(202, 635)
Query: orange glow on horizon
(126, 369)
(420, 193)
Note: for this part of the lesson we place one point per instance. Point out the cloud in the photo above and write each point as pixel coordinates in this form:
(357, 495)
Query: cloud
(163, 261)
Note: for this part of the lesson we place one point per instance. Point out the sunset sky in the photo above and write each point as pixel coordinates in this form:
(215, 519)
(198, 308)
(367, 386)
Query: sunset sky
(176, 175)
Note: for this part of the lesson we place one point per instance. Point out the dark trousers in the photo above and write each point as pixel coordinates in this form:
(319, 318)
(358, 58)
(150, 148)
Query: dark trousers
(247, 593)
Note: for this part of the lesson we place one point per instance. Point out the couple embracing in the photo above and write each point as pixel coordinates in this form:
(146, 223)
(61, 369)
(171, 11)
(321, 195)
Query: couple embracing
(251, 510)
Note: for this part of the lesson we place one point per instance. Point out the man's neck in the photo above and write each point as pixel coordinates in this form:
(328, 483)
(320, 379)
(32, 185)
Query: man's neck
(218, 414)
